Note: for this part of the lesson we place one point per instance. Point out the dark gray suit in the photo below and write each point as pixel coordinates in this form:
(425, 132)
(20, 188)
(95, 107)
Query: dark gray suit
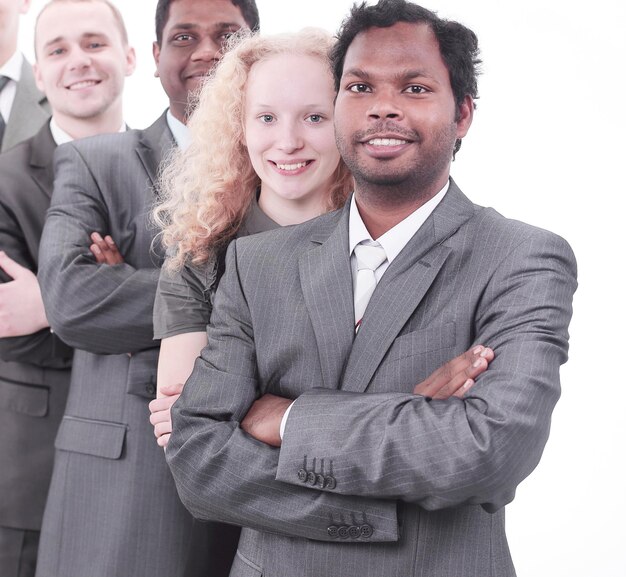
(371, 479)
(34, 370)
(29, 111)
(113, 508)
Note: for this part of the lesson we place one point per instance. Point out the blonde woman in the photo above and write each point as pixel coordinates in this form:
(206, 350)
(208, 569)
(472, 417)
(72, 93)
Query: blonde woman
(262, 155)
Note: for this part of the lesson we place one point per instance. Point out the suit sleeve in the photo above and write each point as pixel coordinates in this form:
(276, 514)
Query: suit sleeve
(474, 450)
(98, 308)
(43, 348)
(222, 473)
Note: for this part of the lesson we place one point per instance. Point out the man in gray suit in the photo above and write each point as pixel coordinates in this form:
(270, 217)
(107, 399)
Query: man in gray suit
(35, 365)
(367, 477)
(113, 508)
(23, 108)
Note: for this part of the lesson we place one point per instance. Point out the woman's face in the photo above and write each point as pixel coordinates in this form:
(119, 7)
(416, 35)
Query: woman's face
(289, 133)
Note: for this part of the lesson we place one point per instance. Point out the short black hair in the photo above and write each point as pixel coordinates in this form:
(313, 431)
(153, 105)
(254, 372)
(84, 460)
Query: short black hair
(248, 8)
(457, 43)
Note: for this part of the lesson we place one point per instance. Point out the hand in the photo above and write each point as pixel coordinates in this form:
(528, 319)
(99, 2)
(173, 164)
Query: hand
(105, 250)
(161, 417)
(264, 418)
(21, 305)
(456, 377)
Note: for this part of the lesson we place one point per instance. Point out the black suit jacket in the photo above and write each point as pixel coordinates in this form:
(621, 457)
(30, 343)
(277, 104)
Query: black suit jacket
(34, 370)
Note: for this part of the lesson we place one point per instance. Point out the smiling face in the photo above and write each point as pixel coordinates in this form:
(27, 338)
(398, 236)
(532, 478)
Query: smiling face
(82, 60)
(193, 38)
(395, 116)
(289, 133)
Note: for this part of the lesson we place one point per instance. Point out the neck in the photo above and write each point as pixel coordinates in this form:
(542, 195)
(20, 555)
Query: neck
(286, 212)
(382, 206)
(6, 51)
(82, 128)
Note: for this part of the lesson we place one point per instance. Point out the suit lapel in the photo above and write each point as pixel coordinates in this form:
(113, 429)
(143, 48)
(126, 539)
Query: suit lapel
(326, 281)
(155, 143)
(402, 288)
(41, 159)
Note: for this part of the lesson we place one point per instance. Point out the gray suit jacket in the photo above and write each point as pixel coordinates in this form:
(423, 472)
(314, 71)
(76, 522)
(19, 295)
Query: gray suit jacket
(112, 508)
(371, 479)
(34, 370)
(29, 111)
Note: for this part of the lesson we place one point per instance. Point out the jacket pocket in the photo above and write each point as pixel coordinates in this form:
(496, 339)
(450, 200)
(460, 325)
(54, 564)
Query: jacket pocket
(423, 341)
(25, 399)
(98, 438)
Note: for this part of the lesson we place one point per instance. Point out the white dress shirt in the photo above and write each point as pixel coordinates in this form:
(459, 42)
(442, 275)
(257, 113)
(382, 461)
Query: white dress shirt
(180, 132)
(12, 69)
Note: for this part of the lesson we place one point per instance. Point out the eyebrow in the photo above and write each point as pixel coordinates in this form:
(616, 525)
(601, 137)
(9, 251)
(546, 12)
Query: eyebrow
(216, 26)
(86, 35)
(405, 75)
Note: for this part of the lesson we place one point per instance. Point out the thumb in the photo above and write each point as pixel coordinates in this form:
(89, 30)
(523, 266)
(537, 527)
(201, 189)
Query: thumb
(171, 389)
(12, 268)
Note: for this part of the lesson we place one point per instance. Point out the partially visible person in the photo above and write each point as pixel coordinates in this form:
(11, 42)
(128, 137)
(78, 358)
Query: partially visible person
(83, 58)
(23, 107)
(275, 163)
(113, 509)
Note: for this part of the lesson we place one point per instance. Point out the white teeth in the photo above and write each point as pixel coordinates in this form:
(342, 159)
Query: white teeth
(386, 142)
(83, 84)
(295, 166)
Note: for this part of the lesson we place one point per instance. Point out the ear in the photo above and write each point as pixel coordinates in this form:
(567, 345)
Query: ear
(465, 116)
(38, 79)
(156, 53)
(131, 60)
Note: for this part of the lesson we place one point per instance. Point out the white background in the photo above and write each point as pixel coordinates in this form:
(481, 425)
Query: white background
(546, 147)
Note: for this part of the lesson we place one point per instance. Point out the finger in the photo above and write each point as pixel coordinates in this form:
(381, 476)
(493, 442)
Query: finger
(162, 440)
(171, 389)
(159, 417)
(453, 367)
(9, 266)
(459, 384)
(97, 253)
(162, 428)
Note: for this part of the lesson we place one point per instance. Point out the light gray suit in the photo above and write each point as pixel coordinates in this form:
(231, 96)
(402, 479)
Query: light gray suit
(371, 479)
(112, 508)
(29, 111)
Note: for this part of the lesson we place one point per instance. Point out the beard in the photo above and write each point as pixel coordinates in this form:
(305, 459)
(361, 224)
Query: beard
(406, 178)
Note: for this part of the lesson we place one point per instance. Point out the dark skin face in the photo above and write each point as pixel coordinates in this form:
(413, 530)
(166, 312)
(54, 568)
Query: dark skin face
(193, 39)
(396, 121)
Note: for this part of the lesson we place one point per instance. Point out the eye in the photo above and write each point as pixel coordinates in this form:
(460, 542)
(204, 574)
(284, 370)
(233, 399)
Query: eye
(415, 89)
(182, 38)
(314, 118)
(56, 52)
(226, 35)
(267, 118)
(359, 87)
(95, 45)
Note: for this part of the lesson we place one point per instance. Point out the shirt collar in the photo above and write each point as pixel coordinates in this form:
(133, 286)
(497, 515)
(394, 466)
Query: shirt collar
(396, 238)
(61, 137)
(13, 67)
(180, 132)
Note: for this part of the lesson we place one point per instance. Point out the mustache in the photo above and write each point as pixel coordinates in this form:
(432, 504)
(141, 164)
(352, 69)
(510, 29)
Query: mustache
(385, 127)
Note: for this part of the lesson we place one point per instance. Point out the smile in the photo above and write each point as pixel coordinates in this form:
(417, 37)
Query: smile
(387, 142)
(83, 84)
(292, 167)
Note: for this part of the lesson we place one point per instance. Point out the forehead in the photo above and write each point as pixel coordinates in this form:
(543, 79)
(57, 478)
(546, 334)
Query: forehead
(73, 20)
(290, 77)
(399, 47)
(203, 14)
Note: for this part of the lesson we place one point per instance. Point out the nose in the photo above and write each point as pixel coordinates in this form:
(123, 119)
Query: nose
(207, 50)
(289, 138)
(79, 60)
(385, 105)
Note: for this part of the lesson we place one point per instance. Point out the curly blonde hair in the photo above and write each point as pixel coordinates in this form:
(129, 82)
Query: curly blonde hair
(207, 188)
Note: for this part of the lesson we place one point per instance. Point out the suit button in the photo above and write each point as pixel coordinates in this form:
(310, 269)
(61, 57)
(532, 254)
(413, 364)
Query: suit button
(311, 478)
(330, 482)
(343, 532)
(366, 531)
(319, 480)
(333, 531)
(151, 389)
(302, 475)
(354, 532)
